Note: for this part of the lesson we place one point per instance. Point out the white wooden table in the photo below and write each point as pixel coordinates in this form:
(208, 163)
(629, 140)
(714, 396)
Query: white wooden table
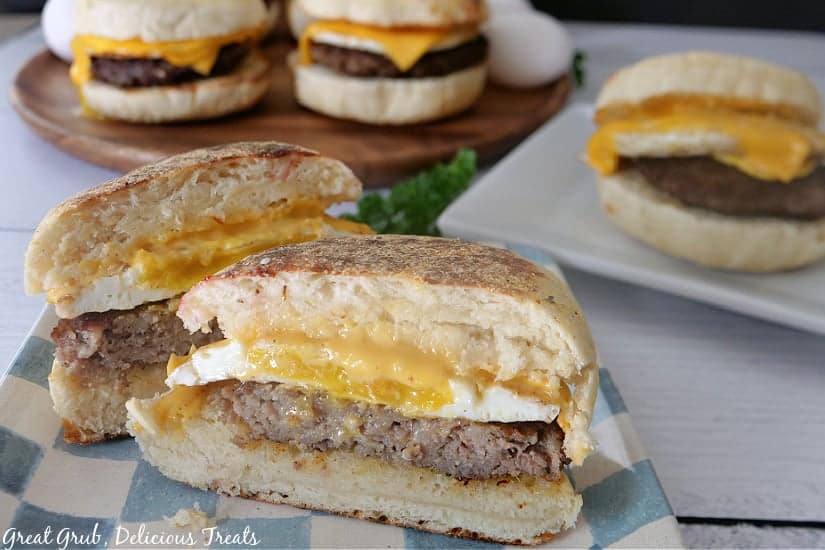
(740, 450)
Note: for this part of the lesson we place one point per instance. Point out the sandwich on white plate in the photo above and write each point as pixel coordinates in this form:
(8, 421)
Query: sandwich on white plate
(155, 61)
(391, 61)
(417, 381)
(114, 260)
(714, 158)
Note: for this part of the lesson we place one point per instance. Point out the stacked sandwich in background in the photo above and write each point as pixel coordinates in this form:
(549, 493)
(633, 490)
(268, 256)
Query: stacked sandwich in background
(380, 62)
(169, 60)
(417, 381)
(391, 62)
(113, 261)
(714, 158)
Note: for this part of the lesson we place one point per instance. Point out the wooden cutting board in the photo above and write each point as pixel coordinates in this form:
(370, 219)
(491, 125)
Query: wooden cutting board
(45, 98)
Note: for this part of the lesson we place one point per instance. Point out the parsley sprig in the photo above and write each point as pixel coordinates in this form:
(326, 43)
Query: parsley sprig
(413, 206)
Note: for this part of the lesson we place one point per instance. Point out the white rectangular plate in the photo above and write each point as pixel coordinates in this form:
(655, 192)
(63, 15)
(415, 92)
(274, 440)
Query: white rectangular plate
(544, 196)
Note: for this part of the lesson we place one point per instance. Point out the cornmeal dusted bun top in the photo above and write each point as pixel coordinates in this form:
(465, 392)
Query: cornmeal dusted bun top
(740, 83)
(184, 193)
(396, 13)
(166, 20)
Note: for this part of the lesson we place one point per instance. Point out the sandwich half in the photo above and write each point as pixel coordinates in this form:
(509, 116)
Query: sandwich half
(422, 382)
(113, 261)
(390, 61)
(169, 60)
(714, 158)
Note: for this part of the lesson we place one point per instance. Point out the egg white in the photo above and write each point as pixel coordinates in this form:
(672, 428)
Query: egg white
(364, 44)
(494, 404)
(121, 292)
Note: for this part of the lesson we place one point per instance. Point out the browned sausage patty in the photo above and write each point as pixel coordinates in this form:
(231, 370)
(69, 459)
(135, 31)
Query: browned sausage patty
(145, 335)
(367, 64)
(703, 182)
(129, 72)
(460, 448)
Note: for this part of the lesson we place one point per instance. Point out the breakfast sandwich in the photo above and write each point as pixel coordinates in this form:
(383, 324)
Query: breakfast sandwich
(714, 158)
(417, 381)
(169, 60)
(113, 261)
(391, 61)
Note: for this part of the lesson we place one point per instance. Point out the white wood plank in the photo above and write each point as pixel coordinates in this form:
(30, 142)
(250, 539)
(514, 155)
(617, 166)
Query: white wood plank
(18, 311)
(730, 409)
(14, 23)
(749, 536)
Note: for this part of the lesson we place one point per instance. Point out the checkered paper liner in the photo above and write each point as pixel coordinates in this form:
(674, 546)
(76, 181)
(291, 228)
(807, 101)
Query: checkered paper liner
(106, 496)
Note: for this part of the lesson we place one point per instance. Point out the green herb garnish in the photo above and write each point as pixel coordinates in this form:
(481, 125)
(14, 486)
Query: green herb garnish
(579, 74)
(413, 206)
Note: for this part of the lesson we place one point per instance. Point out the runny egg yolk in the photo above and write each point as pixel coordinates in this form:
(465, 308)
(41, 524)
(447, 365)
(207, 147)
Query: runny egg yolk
(182, 261)
(399, 375)
(380, 371)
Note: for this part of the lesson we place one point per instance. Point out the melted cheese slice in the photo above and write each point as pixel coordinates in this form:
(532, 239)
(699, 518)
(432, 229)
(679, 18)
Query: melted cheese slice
(181, 262)
(404, 46)
(418, 383)
(767, 148)
(200, 54)
(177, 262)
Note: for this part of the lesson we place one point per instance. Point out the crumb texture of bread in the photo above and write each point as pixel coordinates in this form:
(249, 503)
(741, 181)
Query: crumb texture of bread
(751, 84)
(93, 406)
(203, 453)
(197, 100)
(392, 13)
(166, 20)
(387, 101)
(708, 238)
(107, 224)
(483, 306)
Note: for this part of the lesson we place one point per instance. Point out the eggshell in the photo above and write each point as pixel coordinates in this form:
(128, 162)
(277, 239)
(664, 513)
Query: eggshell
(297, 18)
(527, 49)
(57, 27)
(500, 7)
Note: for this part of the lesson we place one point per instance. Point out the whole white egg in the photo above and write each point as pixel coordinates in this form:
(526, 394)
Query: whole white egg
(297, 18)
(527, 49)
(500, 7)
(57, 27)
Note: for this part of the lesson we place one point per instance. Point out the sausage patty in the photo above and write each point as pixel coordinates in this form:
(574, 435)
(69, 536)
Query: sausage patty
(133, 72)
(367, 64)
(703, 182)
(460, 448)
(145, 335)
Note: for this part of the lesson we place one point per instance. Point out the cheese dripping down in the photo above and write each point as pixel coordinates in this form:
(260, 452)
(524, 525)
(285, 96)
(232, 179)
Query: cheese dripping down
(770, 148)
(200, 54)
(404, 46)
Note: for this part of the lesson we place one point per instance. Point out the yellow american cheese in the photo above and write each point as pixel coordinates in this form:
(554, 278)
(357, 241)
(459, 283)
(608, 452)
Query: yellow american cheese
(366, 364)
(768, 148)
(200, 53)
(177, 405)
(404, 46)
(179, 261)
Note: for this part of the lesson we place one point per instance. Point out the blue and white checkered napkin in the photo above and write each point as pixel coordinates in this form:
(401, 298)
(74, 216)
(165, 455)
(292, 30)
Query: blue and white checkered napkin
(105, 495)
